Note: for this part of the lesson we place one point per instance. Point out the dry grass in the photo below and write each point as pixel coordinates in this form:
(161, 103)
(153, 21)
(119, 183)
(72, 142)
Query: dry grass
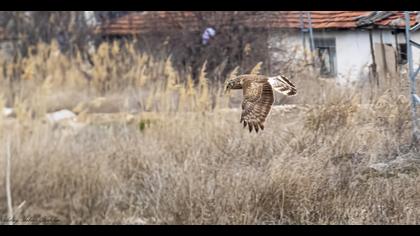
(187, 160)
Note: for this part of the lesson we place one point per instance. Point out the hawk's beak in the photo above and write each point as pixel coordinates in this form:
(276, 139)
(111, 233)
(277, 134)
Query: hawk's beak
(227, 89)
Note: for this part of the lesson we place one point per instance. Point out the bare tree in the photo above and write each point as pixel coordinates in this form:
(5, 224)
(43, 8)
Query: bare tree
(28, 28)
(233, 45)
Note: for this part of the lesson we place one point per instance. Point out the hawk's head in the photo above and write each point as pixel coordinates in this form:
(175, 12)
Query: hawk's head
(233, 83)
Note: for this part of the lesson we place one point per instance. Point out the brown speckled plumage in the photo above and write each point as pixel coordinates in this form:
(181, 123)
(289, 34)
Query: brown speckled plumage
(258, 96)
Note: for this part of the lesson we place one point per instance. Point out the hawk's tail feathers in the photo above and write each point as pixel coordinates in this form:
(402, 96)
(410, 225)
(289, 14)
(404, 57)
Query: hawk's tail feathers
(282, 85)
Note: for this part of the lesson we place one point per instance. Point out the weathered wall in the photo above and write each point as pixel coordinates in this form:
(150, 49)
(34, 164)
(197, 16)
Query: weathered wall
(6, 50)
(353, 53)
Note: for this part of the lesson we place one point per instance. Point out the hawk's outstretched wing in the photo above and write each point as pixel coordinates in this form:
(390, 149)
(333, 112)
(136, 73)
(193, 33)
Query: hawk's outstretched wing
(258, 98)
(282, 85)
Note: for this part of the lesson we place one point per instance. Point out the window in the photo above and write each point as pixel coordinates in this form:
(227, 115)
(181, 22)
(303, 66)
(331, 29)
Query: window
(326, 56)
(402, 53)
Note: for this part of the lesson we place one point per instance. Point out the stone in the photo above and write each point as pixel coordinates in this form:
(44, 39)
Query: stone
(379, 167)
(408, 163)
(8, 112)
(60, 115)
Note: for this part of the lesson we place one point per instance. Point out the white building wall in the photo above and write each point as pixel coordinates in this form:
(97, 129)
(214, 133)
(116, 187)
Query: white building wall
(282, 47)
(416, 51)
(353, 52)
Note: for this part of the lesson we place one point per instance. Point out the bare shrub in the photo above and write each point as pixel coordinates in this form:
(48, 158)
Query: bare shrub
(185, 158)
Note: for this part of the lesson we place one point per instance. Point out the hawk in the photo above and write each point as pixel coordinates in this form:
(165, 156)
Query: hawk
(258, 96)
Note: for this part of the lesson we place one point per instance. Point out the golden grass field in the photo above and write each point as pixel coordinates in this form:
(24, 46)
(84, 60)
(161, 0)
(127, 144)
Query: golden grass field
(150, 147)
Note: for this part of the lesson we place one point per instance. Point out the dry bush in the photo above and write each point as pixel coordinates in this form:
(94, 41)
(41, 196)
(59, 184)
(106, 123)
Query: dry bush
(187, 159)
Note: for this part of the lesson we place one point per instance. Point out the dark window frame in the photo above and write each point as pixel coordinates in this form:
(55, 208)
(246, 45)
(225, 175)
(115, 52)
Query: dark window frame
(402, 54)
(328, 45)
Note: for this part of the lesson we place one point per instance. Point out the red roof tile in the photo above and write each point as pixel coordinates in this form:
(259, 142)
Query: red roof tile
(292, 19)
(165, 21)
(396, 20)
